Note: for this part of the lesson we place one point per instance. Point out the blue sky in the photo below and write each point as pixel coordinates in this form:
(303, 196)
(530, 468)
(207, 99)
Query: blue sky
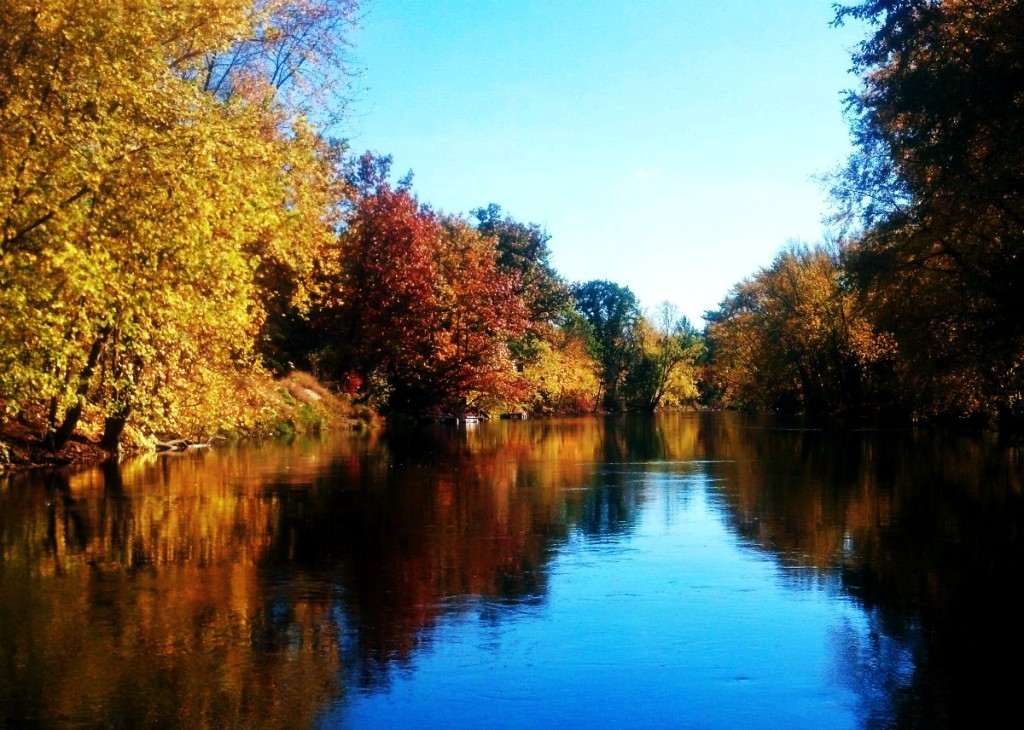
(670, 146)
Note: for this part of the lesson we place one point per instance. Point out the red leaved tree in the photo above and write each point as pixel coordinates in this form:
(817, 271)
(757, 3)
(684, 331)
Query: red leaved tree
(425, 313)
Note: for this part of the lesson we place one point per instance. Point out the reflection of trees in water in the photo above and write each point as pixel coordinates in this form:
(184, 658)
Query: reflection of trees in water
(124, 605)
(242, 588)
(440, 514)
(954, 560)
(400, 544)
(877, 662)
(217, 574)
(923, 529)
(255, 586)
(609, 507)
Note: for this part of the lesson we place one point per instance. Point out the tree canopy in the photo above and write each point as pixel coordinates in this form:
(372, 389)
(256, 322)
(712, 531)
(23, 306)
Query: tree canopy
(612, 311)
(426, 312)
(793, 338)
(937, 186)
(141, 210)
(176, 220)
(917, 308)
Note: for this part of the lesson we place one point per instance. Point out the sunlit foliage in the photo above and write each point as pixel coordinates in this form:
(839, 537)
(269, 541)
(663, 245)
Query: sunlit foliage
(792, 338)
(425, 313)
(918, 311)
(554, 352)
(523, 250)
(664, 369)
(563, 373)
(140, 209)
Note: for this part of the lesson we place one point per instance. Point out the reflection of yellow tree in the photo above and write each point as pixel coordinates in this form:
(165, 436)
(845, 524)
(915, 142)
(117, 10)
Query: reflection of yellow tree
(252, 586)
(827, 500)
(801, 494)
(141, 599)
(922, 529)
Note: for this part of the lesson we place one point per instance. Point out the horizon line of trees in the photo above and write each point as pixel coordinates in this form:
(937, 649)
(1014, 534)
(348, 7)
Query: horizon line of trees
(427, 313)
(178, 223)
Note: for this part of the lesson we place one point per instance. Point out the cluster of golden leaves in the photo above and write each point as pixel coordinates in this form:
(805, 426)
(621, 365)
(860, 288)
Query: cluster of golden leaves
(140, 205)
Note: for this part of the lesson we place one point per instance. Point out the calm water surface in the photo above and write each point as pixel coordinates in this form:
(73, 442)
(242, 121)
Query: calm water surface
(683, 571)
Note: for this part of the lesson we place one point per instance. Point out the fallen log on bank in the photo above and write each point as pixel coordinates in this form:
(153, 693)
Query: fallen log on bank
(173, 445)
(183, 444)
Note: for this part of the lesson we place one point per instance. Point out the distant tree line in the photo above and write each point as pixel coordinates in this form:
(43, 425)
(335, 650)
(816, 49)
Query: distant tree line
(433, 314)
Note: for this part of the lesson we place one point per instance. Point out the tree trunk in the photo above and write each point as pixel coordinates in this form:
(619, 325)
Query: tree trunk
(112, 430)
(59, 436)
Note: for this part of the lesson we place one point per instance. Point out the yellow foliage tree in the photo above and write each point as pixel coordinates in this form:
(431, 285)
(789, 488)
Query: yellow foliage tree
(563, 375)
(664, 369)
(140, 209)
(793, 338)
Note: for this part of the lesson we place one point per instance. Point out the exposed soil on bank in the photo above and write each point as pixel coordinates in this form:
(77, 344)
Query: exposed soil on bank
(25, 448)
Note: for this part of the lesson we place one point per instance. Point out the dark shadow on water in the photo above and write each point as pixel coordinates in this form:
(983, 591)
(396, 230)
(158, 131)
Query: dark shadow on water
(923, 530)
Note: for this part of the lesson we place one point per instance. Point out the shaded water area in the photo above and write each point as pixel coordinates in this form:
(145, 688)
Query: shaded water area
(705, 571)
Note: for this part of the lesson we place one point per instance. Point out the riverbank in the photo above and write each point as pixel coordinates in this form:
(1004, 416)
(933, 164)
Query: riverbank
(294, 404)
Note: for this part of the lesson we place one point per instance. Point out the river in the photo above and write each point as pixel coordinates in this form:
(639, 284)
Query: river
(685, 571)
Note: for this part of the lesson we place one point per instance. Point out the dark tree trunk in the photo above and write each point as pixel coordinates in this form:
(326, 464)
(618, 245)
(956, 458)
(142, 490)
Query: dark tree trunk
(60, 435)
(112, 430)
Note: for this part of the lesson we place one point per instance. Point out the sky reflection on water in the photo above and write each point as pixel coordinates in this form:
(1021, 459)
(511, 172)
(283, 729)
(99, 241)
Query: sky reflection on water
(668, 622)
